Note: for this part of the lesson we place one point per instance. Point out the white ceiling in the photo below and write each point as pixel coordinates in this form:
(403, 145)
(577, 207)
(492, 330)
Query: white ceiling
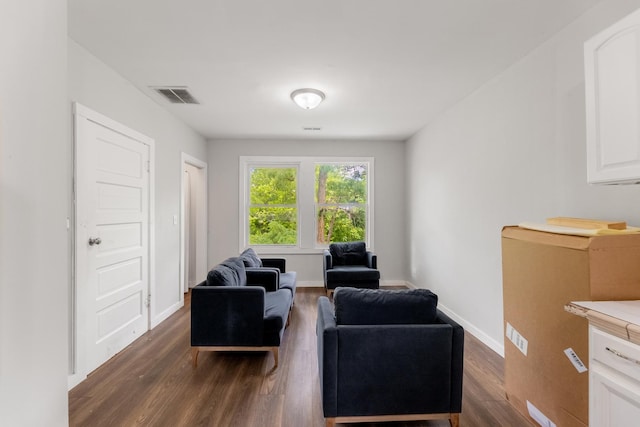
(387, 67)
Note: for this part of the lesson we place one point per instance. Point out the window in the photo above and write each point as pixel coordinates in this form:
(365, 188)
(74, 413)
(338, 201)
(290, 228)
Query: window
(301, 204)
(341, 202)
(273, 206)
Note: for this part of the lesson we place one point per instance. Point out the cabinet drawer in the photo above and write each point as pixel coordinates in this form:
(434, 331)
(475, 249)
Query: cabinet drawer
(621, 355)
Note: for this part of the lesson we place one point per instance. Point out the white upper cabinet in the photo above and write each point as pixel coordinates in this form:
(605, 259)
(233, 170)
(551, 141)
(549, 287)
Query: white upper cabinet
(612, 83)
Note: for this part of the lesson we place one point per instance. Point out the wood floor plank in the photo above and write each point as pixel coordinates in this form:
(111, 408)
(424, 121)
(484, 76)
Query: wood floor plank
(152, 383)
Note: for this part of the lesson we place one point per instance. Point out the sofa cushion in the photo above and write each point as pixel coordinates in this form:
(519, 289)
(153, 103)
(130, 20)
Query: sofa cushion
(276, 311)
(237, 266)
(222, 275)
(288, 281)
(230, 272)
(250, 258)
(384, 307)
(348, 253)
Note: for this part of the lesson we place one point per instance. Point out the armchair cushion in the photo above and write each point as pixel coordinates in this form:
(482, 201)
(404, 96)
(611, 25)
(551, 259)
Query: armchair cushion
(385, 307)
(348, 253)
(352, 273)
(250, 258)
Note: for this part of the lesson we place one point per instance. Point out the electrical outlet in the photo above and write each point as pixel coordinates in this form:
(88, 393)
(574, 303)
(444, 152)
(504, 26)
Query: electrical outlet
(175, 219)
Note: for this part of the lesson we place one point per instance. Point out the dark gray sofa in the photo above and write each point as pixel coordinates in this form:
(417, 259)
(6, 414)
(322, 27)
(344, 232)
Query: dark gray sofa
(388, 355)
(240, 309)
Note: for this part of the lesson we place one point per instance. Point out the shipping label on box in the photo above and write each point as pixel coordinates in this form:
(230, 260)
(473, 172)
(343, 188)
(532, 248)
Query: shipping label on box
(517, 339)
(537, 415)
(575, 360)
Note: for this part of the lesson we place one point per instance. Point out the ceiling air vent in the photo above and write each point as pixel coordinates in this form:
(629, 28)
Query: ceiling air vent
(312, 129)
(176, 94)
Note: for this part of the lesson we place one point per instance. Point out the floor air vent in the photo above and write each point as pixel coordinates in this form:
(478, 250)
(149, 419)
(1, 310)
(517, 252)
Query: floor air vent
(176, 94)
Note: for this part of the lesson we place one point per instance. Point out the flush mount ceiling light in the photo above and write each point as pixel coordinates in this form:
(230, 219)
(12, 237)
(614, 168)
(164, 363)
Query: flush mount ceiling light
(307, 98)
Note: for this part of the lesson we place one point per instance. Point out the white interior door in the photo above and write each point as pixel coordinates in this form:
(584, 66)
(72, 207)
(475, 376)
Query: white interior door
(112, 238)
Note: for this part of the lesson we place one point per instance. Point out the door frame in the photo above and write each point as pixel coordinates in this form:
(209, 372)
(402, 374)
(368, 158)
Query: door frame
(77, 335)
(201, 220)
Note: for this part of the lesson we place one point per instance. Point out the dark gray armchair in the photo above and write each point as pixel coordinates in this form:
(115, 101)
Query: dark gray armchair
(350, 264)
(386, 355)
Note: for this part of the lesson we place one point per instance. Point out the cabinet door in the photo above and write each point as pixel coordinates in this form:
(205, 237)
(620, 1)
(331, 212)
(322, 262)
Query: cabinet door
(614, 398)
(612, 84)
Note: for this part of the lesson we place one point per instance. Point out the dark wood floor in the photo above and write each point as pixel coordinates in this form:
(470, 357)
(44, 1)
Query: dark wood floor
(152, 383)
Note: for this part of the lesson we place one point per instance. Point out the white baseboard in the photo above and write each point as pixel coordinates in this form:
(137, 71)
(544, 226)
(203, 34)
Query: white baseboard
(309, 284)
(74, 379)
(319, 284)
(165, 314)
(469, 327)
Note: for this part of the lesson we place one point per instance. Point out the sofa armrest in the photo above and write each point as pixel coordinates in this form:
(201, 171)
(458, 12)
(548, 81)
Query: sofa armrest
(279, 263)
(227, 315)
(327, 347)
(268, 278)
(372, 260)
(327, 260)
(457, 360)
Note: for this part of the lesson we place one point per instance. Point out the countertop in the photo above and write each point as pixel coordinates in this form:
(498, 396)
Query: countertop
(619, 318)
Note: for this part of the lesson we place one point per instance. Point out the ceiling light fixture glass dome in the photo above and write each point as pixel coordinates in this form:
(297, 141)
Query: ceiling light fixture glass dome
(307, 98)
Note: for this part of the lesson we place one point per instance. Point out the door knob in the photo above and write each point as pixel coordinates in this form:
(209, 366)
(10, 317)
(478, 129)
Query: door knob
(94, 241)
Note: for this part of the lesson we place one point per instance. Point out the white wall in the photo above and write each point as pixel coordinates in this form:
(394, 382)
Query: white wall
(34, 205)
(389, 199)
(512, 151)
(100, 88)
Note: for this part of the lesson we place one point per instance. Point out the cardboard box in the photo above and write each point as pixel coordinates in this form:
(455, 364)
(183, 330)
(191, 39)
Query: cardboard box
(541, 273)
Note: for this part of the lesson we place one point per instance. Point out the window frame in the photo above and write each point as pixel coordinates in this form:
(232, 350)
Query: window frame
(306, 200)
(365, 206)
(245, 202)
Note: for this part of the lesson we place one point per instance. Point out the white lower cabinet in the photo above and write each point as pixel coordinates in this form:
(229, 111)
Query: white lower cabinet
(614, 381)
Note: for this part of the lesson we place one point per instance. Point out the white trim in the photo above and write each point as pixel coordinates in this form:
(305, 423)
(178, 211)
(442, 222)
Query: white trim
(320, 284)
(186, 159)
(77, 360)
(165, 314)
(152, 230)
(74, 379)
(469, 327)
(473, 330)
(266, 161)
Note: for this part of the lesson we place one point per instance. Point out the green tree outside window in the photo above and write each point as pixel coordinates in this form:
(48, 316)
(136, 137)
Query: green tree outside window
(341, 202)
(273, 210)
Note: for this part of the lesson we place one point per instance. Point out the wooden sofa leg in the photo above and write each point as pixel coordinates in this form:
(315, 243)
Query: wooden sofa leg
(454, 420)
(194, 356)
(275, 358)
(330, 422)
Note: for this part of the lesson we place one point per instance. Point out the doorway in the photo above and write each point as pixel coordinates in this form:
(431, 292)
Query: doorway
(193, 223)
(113, 219)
